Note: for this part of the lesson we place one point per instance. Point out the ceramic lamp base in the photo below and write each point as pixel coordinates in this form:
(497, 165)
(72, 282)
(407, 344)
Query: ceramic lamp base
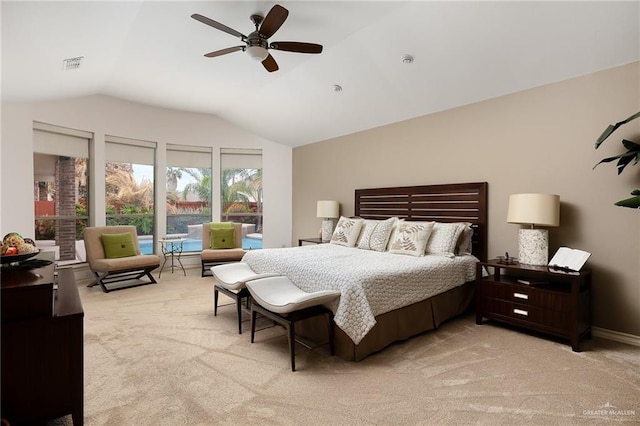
(327, 230)
(533, 246)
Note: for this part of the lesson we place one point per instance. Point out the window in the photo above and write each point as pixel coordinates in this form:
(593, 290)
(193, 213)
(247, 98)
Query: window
(188, 193)
(129, 179)
(61, 190)
(241, 192)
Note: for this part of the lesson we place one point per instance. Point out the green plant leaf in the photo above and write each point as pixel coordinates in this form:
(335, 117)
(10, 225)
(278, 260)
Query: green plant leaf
(633, 202)
(612, 128)
(607, 132)
(623, 160)
(632, 156)
(630, 145)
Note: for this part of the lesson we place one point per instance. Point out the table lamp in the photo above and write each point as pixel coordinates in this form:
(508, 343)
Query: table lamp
(534, 209)
(328, 210)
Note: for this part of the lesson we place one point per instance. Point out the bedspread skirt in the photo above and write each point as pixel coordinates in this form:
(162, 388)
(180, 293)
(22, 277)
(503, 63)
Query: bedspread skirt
(397, 325)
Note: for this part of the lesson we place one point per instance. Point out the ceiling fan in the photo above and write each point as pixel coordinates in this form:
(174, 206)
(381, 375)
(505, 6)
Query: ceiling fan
(257, 43)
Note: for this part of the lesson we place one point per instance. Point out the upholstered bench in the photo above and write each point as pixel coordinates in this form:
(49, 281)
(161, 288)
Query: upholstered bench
(231, 279)
(280, 300)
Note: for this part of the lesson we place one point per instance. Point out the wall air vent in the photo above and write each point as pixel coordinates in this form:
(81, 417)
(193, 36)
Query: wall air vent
(72, 63)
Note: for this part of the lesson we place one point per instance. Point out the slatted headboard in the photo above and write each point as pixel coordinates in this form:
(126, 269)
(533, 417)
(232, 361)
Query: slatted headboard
(458, 202)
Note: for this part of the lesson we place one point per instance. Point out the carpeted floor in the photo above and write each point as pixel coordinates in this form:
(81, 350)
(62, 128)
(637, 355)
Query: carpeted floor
(156, 355)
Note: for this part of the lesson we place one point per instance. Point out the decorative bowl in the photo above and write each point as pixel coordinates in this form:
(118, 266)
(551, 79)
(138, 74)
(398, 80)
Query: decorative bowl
(14, 258)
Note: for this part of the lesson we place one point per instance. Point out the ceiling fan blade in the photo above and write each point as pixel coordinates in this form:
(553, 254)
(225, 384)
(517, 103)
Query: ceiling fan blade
(274, 19)
(224, 51)
(295, 46)
(218, 26)
(270, 64)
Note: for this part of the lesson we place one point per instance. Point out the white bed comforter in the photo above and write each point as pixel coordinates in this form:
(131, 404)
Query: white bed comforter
(371, 283)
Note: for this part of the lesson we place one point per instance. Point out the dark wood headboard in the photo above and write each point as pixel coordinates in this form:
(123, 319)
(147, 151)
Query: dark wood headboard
(458, 202)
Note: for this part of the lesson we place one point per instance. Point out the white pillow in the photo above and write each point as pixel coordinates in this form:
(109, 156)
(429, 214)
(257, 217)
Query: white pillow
(464, 245)
(410, 237)
(444, 238)
(375, 234)
(347, 232)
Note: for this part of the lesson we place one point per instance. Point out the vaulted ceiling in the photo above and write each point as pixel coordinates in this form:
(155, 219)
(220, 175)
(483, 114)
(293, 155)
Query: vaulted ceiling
(152, 52)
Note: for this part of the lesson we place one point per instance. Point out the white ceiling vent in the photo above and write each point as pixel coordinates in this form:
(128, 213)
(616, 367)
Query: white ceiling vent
(72, 63)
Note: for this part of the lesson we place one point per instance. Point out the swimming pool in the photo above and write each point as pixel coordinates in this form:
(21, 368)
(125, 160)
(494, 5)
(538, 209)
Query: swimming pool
(194, 245)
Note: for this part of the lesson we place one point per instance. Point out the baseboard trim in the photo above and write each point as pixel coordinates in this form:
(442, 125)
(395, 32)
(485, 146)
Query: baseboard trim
(616, 336)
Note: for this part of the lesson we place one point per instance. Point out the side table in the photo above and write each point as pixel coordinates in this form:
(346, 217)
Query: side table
(311, 241)
(42, 345)
(537, 298)
(172, 249)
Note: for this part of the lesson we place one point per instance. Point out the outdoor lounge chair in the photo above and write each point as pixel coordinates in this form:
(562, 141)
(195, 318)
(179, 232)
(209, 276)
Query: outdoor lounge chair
(119, 264)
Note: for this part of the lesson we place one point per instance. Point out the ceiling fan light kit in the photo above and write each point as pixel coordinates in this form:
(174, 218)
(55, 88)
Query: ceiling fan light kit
(257, 53)
(257, 43)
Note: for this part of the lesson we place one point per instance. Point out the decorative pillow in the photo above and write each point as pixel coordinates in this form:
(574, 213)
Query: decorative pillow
(118, 245)
(347, 232)
(464, 245)
(410, 238)
(444, 238)
(375, 234)
(223, 238)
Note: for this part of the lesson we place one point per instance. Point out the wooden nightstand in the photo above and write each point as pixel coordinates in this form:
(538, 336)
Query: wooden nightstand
(310, 241)
(557, 303)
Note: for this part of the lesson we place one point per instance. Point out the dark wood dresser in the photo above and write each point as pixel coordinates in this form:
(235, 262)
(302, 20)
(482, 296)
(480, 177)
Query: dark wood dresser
(42, 345)
(536, 298)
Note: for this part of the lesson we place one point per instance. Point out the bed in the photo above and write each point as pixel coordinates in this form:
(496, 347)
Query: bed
(388, 297)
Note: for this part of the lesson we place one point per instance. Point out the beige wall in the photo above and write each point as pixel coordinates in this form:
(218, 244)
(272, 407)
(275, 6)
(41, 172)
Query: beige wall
(103, 115)
(539, 140)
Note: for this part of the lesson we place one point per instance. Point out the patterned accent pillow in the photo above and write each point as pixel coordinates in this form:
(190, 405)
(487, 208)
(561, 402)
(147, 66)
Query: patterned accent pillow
(464, 246)
(375, 234)
(410, 237)
(444, 238)
(347, 232)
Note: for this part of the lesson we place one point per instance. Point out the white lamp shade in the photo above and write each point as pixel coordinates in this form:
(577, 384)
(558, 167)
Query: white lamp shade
(534, 209)
(328, 209)
(257, 53)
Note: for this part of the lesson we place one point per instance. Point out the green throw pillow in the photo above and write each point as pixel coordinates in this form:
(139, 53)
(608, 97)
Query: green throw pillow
(223, 238)
(118, 245)
(221, 225)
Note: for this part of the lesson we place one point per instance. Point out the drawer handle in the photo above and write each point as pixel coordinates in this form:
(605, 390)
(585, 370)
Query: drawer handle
(521, 312)
(521, 296)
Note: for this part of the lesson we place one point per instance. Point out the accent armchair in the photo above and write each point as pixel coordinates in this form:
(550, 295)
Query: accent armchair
(113, 255)
(219, 256)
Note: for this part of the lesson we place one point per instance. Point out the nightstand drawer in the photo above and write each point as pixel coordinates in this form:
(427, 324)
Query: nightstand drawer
(556, 320)
(527, 295)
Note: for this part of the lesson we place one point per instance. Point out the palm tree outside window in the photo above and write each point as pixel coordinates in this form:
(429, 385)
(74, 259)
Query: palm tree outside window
(241, 192)
(188, 193)
(130, 187)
